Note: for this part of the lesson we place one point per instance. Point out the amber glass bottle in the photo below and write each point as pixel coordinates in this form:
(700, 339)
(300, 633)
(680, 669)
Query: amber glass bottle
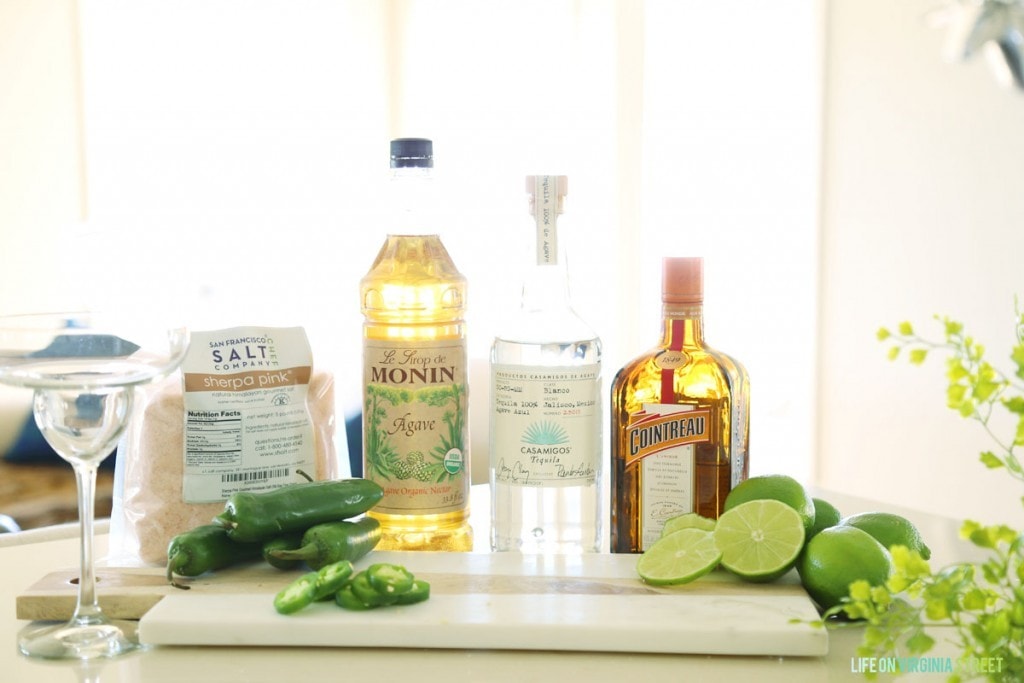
(680, 420)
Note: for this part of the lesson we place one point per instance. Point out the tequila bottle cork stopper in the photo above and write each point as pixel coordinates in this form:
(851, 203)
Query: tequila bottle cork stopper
(682, 280)
(556, 186)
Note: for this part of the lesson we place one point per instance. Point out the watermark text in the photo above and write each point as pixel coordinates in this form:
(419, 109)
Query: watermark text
(938, 665)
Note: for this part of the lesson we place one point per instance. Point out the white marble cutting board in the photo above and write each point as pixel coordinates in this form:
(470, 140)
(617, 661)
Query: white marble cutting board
(509, 601)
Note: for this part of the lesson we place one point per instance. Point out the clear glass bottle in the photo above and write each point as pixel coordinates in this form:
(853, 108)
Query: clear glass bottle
(680, 421)
(415, 390)
(739, 380)
(546, 414)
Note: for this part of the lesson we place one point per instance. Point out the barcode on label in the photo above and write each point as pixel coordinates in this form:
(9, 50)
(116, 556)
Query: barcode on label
(257, 475)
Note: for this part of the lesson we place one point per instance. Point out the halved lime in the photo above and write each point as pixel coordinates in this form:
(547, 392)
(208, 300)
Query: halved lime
(680, 557)
(760, 540)
(689, 520)
(780, 487)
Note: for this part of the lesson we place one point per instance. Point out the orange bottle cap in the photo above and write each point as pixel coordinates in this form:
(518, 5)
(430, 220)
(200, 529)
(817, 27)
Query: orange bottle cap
(682, 280)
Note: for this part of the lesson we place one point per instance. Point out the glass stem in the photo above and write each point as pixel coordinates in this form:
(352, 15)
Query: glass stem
(88, 608)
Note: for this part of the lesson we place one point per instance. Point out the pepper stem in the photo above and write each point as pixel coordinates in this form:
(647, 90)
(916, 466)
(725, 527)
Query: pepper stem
(225, 521)
(174, 562)
(306, 552)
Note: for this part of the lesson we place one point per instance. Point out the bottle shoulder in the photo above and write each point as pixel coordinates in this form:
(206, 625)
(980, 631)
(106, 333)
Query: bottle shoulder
(687, 356)
(413, 258)
(693, 366)
(541, 326)
(546, 353)
(413, 279)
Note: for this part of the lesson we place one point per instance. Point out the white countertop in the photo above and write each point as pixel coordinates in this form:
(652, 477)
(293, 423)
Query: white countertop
(27, 557)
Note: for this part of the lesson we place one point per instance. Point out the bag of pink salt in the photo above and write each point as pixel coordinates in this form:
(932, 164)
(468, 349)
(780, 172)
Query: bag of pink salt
(246, 412)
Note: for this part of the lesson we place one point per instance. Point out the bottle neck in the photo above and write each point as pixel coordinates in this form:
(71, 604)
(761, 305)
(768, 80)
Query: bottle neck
(546, 285)
(411, 201)
(682, 325)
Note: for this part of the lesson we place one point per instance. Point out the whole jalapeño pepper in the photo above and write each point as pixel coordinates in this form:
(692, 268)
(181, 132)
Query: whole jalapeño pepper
(332, 542)
(251, 517)
(205, 548)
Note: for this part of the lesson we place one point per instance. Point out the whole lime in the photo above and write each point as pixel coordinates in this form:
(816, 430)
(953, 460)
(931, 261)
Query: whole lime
(889, 530)
(825, 515)
(778, 487)
(837, 557)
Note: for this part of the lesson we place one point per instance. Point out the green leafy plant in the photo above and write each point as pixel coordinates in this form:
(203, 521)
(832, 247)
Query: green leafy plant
(977, 389)
(984, 601)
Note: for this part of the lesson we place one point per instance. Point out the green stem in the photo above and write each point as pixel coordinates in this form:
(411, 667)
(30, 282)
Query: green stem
(305, 553)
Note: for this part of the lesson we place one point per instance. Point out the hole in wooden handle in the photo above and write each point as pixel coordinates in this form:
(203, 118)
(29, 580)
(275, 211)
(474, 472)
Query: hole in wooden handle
(74, 581)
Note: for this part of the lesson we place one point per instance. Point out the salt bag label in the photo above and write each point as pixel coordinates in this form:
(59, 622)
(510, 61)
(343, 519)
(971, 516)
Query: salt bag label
(247, 424)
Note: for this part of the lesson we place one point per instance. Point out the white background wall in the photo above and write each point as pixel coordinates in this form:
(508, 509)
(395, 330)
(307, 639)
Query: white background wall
(923, 214)
(920, 211)
(41, 174)
(40, 160)
(230, 151)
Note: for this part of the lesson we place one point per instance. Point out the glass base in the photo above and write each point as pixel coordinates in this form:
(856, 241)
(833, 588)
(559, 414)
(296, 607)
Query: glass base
(79, 640)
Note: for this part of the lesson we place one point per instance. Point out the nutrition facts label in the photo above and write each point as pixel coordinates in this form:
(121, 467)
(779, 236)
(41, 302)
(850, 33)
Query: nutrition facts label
(213, 438)
(247, 425)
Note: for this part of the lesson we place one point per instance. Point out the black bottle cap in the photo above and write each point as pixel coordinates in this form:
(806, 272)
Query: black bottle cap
(412, 153)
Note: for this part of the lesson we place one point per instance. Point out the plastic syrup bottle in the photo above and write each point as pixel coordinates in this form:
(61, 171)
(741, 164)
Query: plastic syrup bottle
(415, 392)
(545, 410)
(680, 420)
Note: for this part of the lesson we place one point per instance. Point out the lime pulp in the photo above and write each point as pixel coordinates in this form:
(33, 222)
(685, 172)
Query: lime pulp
(760, 540)
(680, 557)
